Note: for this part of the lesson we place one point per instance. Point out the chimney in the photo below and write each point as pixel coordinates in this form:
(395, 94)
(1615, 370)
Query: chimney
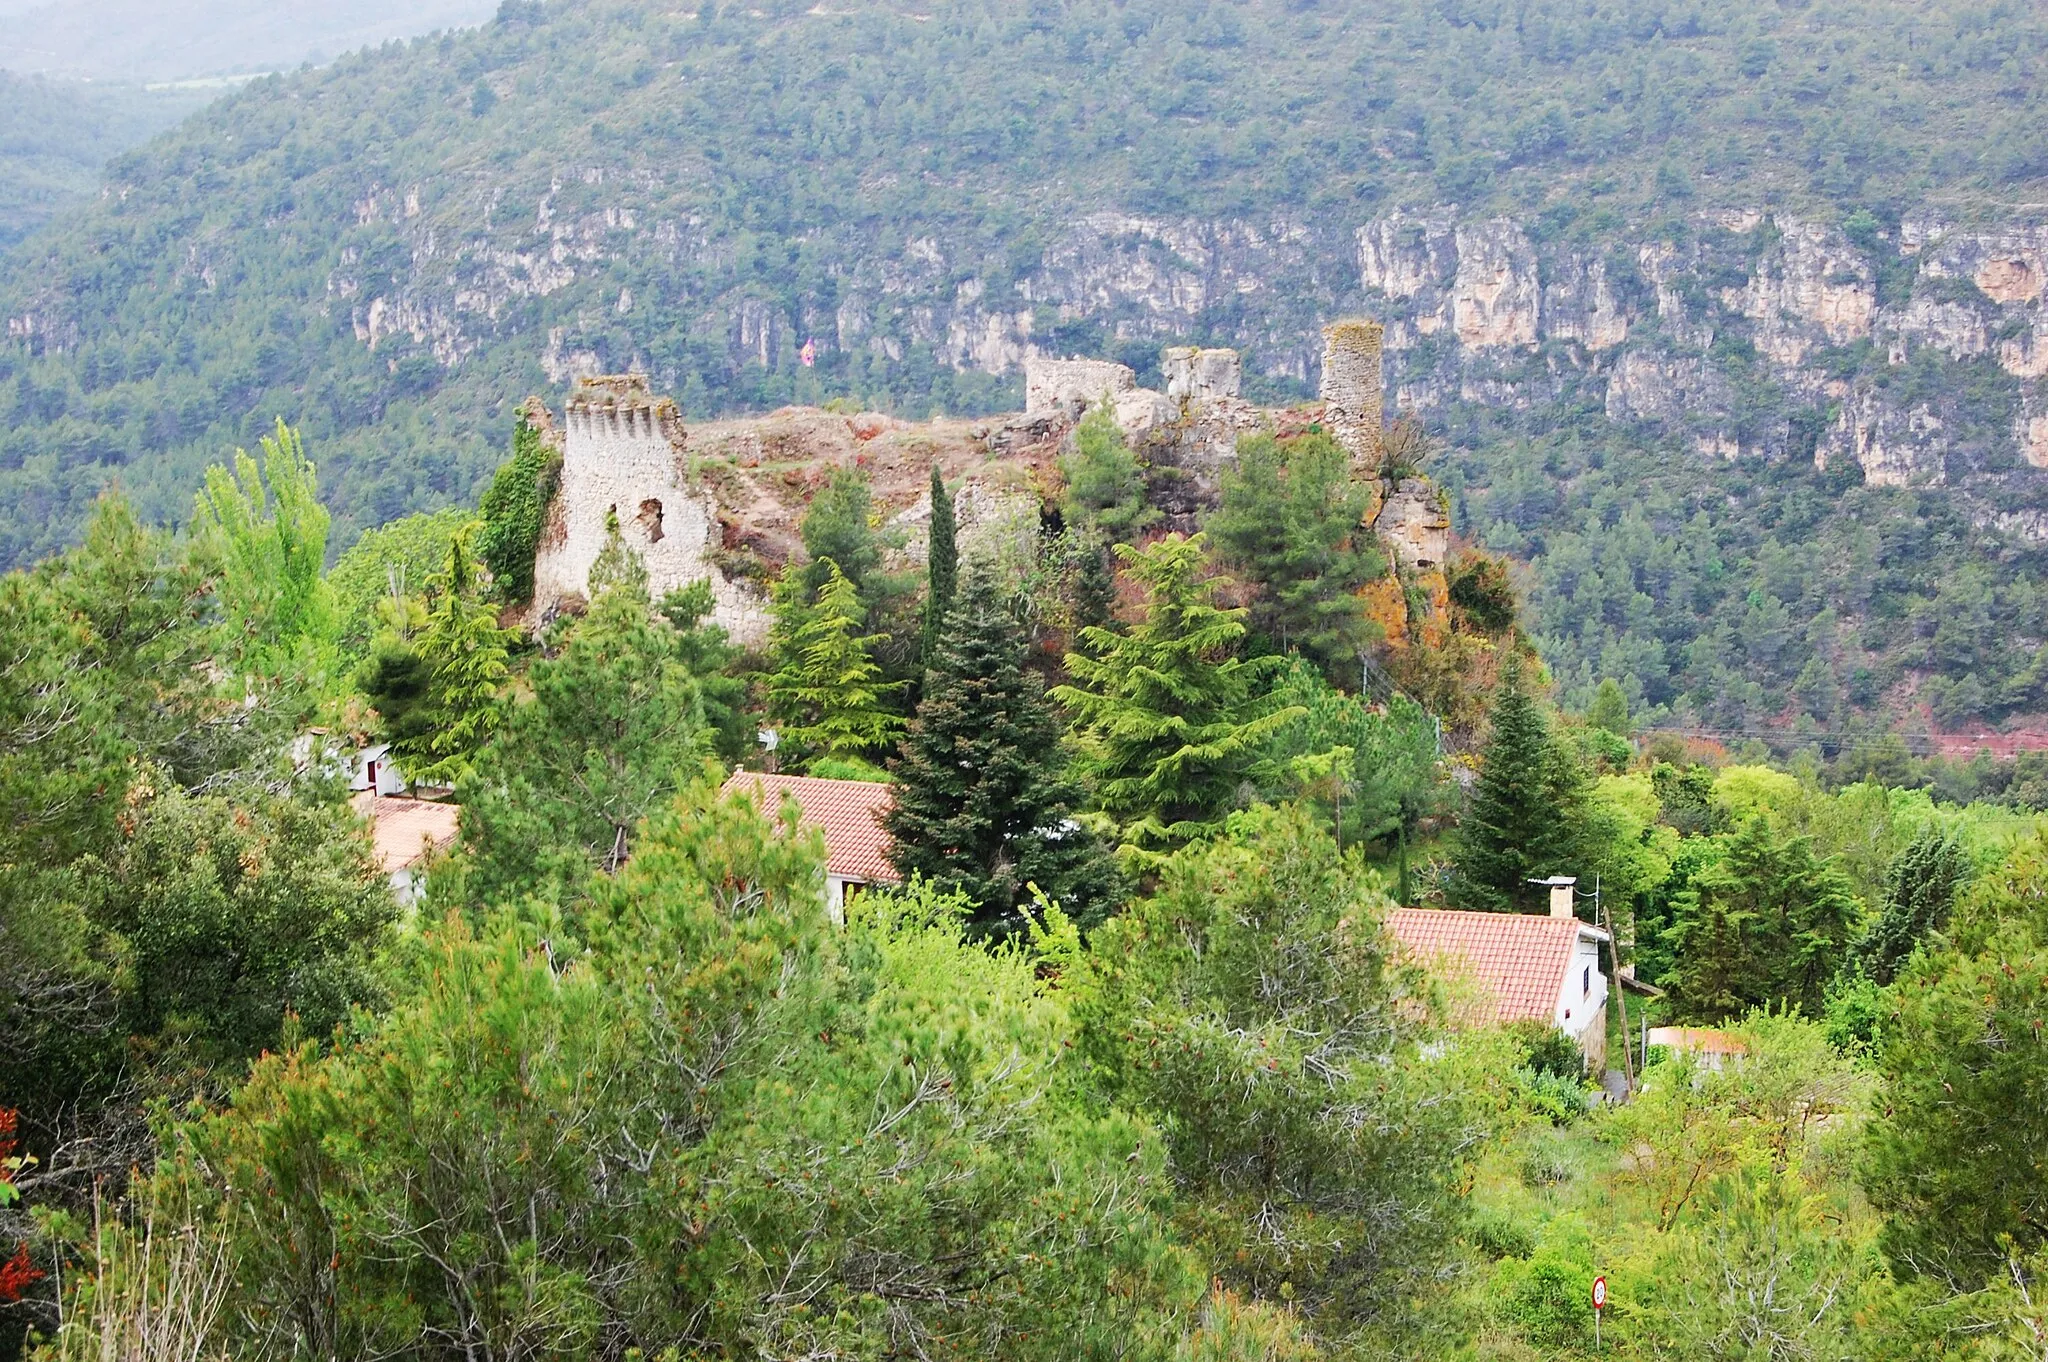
(1560, 887)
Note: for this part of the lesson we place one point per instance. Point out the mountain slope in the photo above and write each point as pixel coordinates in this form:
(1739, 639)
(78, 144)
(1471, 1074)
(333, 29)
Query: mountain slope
(397, 248)
(56, 135)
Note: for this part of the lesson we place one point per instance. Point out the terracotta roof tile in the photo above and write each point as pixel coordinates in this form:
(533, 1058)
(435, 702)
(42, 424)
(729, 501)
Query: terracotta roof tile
(1519, 960)
(405, 831)
(848, 812)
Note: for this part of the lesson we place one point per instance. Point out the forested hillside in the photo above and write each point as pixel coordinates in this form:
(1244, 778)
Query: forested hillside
(55, 136)
(1714, 245)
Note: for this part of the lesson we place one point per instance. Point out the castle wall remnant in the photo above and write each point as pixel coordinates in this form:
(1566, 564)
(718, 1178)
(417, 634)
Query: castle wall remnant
(1072, 385)
(1202, 375)
(1353, 392)
(624, 453)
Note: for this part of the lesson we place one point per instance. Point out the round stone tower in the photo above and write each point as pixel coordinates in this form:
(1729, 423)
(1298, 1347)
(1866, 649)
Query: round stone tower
(1353, 399)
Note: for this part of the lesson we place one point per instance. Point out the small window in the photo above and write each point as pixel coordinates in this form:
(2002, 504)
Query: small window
(1586, 982)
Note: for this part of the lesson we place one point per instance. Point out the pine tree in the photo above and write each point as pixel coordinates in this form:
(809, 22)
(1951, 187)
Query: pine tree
(1168, 713)
(828, 692)
(1609, 710)
(1765, 925)
(1525, 815)
(984, 803)
(465, 654)
(942, 570)
(612, 729)
(1105, 482)
(1290, 520)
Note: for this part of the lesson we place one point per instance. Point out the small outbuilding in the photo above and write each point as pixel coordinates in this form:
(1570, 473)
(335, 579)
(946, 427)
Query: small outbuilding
(848, 812)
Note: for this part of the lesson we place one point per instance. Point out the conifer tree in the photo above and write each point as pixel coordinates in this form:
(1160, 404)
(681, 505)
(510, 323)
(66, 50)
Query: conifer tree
(1169, 714)
(464, 653)
(1920, 891)
(1094, 589)
(828, 692)
(942, 570)
(1524, 820)
(1290, 521)
(1105, 482)
(984, 802)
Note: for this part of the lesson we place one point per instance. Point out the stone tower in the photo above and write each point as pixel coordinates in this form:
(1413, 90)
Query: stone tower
(1352, 390)
(624, 453)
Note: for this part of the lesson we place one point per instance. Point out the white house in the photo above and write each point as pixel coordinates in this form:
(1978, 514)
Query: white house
(1527, 968)
(848, 812)
(406, 834)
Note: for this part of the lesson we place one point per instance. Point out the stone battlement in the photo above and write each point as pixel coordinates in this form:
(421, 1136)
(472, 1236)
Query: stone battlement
(624, 460)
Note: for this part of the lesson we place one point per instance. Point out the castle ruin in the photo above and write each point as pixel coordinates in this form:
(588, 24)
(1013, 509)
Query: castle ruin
(625, 455)
(1353, 396)
(1071, 386)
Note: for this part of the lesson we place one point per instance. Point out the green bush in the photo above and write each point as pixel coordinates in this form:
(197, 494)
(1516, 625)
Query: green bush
(515, 507)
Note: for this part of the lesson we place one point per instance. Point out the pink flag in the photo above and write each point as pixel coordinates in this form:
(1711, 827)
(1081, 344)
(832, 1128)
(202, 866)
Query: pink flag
(810, 354)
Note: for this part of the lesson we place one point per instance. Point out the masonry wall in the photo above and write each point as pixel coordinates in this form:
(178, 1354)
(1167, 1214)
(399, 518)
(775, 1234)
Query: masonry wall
(1072, 384)
(626, 452)
(1353, 391)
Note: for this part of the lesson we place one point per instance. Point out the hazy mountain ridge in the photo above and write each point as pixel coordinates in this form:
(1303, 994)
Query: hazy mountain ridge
(169, 40)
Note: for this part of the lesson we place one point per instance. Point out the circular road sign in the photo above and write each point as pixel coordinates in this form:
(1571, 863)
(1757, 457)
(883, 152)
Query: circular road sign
(1599, 1293)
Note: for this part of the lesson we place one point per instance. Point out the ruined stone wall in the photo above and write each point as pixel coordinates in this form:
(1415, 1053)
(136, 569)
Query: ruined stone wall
(1070, 385)
(1352, 394)
(624, 452)
(1194, 375)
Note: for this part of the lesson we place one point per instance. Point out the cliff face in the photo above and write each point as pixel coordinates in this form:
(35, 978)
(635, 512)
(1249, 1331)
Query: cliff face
(1914, 355)
(1918, 355)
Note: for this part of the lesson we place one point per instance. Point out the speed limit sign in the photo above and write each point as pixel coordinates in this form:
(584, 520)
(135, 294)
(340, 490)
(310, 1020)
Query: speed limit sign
(1599, 1293)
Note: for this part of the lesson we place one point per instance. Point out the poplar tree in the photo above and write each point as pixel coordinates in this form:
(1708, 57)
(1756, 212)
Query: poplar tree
(1169, 714)
(984, 801)
(829, 692)
(942, 570)
(1524, 820)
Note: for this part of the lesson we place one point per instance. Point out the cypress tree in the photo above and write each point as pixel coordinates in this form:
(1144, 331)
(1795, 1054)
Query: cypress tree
(984, 801)
(1920, 891)
(1524, 820)
(942, 570)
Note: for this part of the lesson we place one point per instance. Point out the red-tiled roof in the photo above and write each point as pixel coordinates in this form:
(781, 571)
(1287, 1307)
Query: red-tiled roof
(405, 831)
(1519, 960)
(849, 812)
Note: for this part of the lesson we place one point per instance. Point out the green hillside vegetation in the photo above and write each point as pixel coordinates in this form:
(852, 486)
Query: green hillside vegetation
(618, 1086)
(57, 135)
(190, 310)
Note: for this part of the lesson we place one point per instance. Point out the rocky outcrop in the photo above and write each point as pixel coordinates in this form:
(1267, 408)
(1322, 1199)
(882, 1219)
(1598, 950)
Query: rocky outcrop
(1748, 333)
(1745, 335)
(1416, 524)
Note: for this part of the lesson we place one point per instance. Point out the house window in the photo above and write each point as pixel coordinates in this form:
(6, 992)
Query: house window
(1586, 982)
